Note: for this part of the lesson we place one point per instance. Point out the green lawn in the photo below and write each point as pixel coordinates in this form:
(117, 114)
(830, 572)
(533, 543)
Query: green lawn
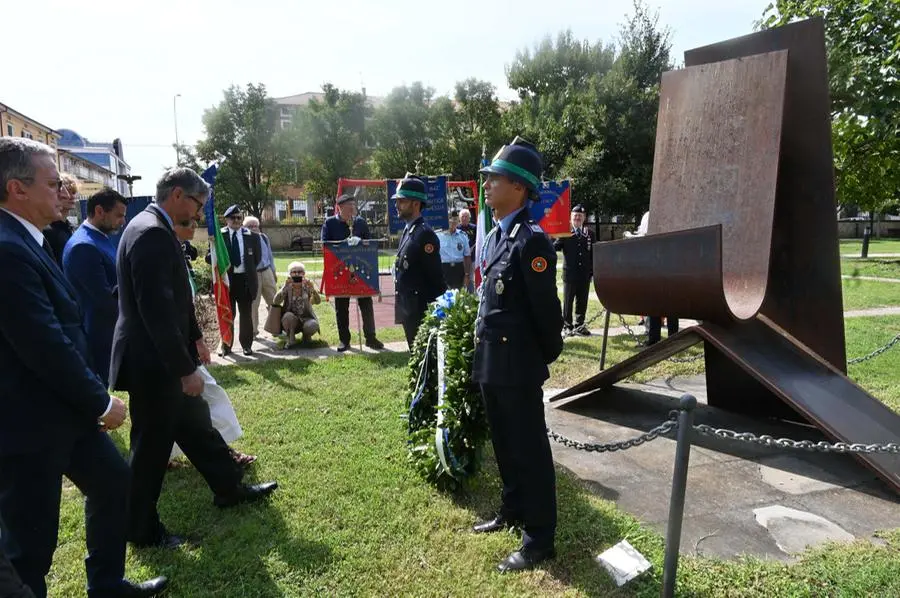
(864, 294)
(314, 264)
(854, 246)
(883, 267)
(352, 519)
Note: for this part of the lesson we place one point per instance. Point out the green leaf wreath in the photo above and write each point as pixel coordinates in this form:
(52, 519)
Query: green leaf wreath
(464, 428)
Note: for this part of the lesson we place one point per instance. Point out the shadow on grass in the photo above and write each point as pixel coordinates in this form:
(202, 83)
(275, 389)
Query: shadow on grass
(585, 528)
(248, 550)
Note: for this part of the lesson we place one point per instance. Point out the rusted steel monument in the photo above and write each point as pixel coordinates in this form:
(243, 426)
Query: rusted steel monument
(743, 238)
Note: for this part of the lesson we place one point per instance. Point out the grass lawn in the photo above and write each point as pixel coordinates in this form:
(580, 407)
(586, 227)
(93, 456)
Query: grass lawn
(315, 263)
(352, 519)
(863, 294)
(854, 246)
(881, 267)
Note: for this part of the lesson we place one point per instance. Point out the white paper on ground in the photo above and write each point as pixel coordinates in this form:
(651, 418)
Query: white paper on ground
(623, 562)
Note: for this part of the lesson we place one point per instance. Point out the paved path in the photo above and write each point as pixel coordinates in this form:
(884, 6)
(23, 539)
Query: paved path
(873, 278)
(856, 256)
(873, 311)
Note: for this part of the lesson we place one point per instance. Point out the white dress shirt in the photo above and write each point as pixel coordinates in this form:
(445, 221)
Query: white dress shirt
(238, 268)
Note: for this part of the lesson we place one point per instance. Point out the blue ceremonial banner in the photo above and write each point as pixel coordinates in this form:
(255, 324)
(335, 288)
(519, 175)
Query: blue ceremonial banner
(551, 211)
(351, 271)
(435, 212)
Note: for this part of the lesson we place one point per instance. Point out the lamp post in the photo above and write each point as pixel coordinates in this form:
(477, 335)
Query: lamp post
(130, 179)
(175, 115)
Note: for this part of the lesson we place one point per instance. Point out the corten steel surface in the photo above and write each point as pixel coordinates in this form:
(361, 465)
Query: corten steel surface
(804, 294)
(743, 172)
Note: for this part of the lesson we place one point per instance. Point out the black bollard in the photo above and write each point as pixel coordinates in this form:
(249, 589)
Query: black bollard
(867, 232)
(605, 337)
(679, 487)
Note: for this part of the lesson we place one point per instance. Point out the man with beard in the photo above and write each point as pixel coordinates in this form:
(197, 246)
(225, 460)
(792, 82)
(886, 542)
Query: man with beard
(418, 278)
(89, 263)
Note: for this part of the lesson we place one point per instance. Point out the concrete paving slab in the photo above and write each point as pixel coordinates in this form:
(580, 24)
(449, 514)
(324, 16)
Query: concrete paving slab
(794, 530)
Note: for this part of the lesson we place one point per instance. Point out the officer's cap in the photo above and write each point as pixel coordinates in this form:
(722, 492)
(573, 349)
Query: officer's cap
(345, 198)
(232, 211)
(579, 209)
(519, 161)
(411, 188)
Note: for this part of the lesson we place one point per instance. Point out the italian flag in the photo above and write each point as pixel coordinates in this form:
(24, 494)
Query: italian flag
(219, 262)
(483, 227)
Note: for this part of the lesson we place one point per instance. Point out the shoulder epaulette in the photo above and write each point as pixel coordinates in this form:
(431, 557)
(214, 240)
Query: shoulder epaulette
(535, 227)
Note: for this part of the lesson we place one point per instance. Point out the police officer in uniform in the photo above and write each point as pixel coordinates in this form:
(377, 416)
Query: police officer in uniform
(517, 334)
(578, 267)
(418, 278)
(456, 260)
(346, 225)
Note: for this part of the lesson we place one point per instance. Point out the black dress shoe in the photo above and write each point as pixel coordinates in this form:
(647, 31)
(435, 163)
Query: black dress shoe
(525, 558)
(164, 540)
(248, 352)
(342, 347)
(245, 493)
(374, 343)
(147, 589)
(498, 523)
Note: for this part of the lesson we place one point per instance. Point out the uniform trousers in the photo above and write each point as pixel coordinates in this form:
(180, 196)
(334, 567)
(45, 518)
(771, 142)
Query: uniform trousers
(575, 292)
(519, 435)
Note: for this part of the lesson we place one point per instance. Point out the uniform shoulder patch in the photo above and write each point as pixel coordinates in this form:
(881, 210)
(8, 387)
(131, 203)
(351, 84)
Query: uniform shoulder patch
(536, 227)
(539, 264)
(429, 248)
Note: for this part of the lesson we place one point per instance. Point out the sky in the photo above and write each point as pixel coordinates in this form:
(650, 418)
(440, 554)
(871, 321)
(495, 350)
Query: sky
(112, 68)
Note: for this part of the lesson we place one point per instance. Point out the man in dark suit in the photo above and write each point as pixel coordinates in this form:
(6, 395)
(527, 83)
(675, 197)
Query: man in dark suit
(517, 334)
(578, 269)
(54, 410)
(157, 347)
(60, 230)
(244, 253)
(346, 225)
(89, 262)
(418, 278)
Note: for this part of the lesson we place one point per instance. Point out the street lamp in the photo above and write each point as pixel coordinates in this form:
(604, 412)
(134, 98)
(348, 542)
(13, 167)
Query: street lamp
(130, 179)
(175, 114)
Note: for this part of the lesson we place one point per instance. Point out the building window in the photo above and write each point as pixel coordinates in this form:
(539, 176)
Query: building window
(27, 135)
(10, 130)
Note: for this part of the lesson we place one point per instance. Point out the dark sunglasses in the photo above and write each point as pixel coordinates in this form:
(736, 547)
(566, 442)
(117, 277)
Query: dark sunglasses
(57, 182)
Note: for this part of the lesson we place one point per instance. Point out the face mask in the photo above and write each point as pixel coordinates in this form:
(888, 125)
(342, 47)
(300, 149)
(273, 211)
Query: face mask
(297, 278)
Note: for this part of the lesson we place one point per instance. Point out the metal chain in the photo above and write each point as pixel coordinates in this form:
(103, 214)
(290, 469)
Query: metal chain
(690, 359)
(610, 447)
(876, 352)
(572, 332)
(804, 445)
(628, 329)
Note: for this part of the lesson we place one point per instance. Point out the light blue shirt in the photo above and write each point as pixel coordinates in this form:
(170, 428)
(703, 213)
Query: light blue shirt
(166, 216)
(507, 220)
(454, 246)
(268, 260)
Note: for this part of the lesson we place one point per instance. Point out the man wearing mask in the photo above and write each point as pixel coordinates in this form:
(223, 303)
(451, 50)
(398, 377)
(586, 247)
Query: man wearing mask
(578, 268)
(418, 278)
(346, 225)
(59, 231)
(244, 253)
(89, 262)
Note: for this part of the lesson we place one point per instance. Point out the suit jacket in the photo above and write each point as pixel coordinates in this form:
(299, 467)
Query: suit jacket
(58, 234)
(251, 257)
(578, 256)
(154, 343)
(418, 277)
(89, 262)
(49, 394)
(519, 324)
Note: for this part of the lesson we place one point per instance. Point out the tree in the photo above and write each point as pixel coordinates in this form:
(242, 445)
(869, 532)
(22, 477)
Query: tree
(329, 139)
(187, 157)
(400, 130)
(241, 136)
(462, 128)
(614, 168)
(863, 43)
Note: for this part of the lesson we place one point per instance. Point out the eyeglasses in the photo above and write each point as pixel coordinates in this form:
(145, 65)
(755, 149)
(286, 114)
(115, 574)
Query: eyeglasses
(52, 182)
(196, 201)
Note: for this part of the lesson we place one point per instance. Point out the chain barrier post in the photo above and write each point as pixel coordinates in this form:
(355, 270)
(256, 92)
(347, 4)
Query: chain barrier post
(605, 338)
(679, 486)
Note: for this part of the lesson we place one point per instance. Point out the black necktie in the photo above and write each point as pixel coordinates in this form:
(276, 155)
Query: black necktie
(235, 253)
(49, 250)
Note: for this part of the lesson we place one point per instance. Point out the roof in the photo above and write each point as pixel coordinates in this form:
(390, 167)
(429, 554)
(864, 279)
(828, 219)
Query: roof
(4, 108)
(302, 99)
(86, 161)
